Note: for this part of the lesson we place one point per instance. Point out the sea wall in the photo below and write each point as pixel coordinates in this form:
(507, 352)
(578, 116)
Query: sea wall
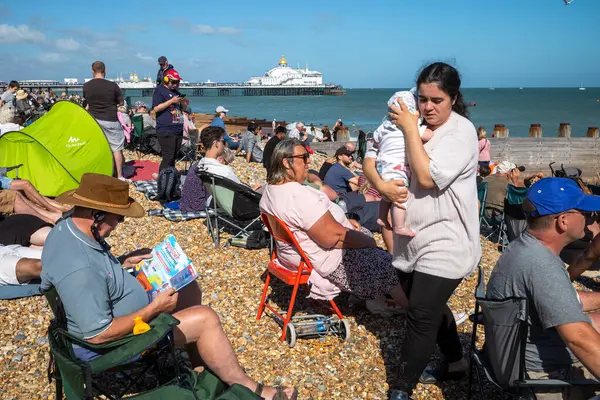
(533, 153)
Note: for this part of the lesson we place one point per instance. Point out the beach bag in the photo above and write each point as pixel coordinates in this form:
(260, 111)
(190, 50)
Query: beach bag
(168, 185)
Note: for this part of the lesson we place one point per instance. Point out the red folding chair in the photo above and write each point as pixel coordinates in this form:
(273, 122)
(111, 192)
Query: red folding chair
(281, 232)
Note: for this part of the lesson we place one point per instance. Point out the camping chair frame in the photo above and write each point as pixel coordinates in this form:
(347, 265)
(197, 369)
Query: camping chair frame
(479, 360)
(494, 227)
(61, 342)
(140, 137)
(281, 232)
(246, 198)
(5, 170)
(189, 153)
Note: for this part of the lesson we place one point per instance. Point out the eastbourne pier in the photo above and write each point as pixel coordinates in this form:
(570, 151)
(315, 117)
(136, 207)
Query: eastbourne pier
(281, 80)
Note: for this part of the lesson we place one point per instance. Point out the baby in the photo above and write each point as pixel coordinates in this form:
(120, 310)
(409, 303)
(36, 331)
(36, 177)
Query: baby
(393, 165)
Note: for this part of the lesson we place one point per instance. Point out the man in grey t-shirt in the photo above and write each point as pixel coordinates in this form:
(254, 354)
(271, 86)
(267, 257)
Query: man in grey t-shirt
(253, 151)
(561, 336)
(8, 97)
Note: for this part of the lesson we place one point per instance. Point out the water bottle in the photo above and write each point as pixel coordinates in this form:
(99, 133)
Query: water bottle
(311, 328)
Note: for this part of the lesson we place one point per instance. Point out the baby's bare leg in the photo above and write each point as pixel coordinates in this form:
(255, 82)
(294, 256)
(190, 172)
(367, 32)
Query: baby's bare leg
(399, 222)
(384, 211)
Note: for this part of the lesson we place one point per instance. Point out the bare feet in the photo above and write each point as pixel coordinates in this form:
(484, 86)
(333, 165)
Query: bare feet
(403, 231)
(60, 207)
(384, 223)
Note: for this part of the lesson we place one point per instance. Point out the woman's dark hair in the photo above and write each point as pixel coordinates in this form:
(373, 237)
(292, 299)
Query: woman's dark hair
(210, 135)
(447, 79)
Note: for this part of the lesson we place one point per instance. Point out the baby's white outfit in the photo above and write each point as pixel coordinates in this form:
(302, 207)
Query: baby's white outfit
(390, 142)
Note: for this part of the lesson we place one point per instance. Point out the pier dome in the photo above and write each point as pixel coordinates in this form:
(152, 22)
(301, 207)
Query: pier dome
(284, 75)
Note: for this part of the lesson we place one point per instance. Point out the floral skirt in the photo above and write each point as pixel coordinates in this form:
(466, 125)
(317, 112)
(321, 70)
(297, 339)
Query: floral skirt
(366, 273)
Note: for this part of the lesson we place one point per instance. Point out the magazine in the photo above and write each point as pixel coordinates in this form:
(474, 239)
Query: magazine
(168, 268)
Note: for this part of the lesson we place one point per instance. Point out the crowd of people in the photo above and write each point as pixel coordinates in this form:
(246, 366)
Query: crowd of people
(414, 180)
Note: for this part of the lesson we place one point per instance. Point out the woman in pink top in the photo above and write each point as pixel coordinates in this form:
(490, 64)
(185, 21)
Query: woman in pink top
(484, 147)
(339, 251)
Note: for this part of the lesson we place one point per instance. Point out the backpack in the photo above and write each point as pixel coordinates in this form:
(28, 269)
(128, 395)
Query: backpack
(168, 185)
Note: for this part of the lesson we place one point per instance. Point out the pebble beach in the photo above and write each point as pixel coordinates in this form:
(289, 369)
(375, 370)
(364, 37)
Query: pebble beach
(364, 367)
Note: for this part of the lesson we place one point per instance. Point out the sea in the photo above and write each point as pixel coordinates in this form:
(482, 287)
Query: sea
(364, 109)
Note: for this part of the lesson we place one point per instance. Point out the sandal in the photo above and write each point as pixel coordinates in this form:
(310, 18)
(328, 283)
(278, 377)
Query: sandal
(279, 392)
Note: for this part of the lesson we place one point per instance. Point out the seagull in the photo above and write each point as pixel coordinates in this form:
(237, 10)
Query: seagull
(567, 2)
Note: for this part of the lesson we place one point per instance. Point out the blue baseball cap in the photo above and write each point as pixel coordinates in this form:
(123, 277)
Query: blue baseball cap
(556, 195)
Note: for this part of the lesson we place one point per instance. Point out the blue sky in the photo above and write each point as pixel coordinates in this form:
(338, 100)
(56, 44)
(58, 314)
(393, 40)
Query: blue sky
(507, 43)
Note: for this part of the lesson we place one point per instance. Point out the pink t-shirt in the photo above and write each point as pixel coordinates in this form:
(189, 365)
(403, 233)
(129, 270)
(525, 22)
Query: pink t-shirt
(299, 207)
(484, 149)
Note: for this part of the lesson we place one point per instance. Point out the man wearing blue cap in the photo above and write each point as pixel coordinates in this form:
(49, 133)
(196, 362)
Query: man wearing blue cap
(562, 342)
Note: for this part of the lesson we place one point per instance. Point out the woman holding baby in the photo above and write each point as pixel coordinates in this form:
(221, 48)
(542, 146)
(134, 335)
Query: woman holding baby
(441, 210)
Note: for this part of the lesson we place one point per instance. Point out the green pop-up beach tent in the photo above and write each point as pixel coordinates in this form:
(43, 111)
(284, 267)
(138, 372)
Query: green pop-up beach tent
(57, 149)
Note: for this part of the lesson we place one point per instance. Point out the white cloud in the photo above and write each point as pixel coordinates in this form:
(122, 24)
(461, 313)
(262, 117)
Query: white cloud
(106, 44)
(20, 34)
(209, 30)
(49, 57)
(225, 30)
(144, 57)
(68, 44)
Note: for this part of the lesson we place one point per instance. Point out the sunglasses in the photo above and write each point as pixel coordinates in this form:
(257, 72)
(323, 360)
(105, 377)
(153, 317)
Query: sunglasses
(304, 156)
(174, 82)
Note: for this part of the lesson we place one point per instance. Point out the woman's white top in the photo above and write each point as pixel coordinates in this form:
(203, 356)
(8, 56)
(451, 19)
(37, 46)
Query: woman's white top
(445, 219)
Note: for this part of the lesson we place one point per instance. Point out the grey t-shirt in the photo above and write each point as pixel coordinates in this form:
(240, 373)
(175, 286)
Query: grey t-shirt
(7, 98)
(249, 144)
(90, 281)
(529, 269)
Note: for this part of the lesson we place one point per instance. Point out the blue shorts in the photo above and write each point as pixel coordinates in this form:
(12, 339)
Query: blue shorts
(5, 182)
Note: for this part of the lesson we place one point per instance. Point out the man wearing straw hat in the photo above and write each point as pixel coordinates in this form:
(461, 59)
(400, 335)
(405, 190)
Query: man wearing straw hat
(101, 298)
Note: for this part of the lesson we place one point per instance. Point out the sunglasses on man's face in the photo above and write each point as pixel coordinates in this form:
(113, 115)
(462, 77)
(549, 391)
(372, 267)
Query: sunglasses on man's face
(173, 82)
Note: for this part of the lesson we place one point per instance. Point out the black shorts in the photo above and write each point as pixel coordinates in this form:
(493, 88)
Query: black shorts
(17, 229)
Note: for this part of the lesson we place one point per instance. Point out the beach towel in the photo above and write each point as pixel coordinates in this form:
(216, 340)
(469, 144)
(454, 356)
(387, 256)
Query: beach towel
(143, 169)
(150, 190)
(126, 129)
(177, 215)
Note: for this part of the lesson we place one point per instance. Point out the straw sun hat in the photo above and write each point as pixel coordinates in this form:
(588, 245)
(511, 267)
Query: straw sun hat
(103, 193)
(21, 94)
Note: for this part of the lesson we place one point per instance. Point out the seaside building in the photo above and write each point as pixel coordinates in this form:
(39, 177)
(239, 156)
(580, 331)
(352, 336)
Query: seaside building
(284, 75)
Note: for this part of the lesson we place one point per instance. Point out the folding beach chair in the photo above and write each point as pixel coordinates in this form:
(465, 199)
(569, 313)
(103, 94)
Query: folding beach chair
(230, 202)
(295, 278)
(514, 217)
(142, 141)
(6, 170)
(493, 228)
(132, 358)
(188, 153)
(502, 357)
(77, 377)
